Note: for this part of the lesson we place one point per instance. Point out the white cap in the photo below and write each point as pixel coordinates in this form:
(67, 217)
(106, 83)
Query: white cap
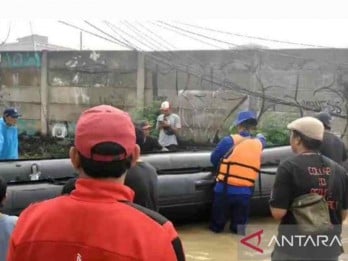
(165, 105)
(308, 126)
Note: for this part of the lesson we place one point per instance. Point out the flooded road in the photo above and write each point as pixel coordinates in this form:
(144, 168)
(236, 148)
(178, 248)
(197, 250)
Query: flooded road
(200, 244)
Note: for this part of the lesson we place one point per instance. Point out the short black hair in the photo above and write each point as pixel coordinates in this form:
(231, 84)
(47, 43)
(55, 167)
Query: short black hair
(69, 186)
(3, 189)
(309, 143)
(106, 169)
(249, 124)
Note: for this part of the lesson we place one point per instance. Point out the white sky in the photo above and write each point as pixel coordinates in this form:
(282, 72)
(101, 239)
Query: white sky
(321, 23)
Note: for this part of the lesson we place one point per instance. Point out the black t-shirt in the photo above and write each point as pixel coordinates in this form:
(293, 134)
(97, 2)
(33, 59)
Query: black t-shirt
(151, 144)
(307, 173)
(142, 179)
(333, 148)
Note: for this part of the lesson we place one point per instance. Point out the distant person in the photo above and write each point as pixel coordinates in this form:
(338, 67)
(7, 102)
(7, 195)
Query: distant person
(149, 144)
(308, 172)
(9, 135)
(98, 220)
(237, 160)
(142, 179)
(332, 146)
(7, 223)
(168, 124)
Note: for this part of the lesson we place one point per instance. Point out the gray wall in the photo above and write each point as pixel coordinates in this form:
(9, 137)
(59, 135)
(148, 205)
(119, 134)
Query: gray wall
(207, 88)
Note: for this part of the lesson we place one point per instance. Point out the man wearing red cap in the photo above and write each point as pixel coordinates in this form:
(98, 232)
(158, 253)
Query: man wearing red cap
(98, 220)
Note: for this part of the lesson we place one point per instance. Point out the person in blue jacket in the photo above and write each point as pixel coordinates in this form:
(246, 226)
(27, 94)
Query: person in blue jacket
(233, 200)
(9, 134)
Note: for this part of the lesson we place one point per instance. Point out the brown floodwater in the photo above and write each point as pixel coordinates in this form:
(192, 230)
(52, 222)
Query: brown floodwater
(200, 244)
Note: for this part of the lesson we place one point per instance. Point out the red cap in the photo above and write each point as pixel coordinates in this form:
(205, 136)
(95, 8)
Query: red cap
(104, 123)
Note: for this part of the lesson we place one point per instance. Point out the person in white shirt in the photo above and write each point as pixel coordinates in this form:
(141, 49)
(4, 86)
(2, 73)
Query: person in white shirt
(168, 124)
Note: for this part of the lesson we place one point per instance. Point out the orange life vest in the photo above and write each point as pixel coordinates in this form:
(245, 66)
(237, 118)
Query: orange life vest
(240, 167)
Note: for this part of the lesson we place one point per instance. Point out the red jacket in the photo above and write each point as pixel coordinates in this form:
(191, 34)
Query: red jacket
(92, 224)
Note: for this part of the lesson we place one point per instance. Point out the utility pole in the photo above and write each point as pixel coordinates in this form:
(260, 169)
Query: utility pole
(80, 40)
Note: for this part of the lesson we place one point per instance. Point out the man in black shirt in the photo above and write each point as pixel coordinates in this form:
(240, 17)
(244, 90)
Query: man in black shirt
(142, 179)
(332, 146)
(149, 143)
(308, 172)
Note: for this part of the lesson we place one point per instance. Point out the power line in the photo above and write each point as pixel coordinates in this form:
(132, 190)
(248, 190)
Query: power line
(255, 37)
(158, 36)
(198, 34)
(91, 33)
(279, 53)
(149, 39)
(235, 87)
(145, 39)
(100, 30)
(132, 37)
(173, 54)
(119, 35)
(230, 85)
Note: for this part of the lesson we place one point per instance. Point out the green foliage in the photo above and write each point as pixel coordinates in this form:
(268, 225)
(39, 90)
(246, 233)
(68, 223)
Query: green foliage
(276, 136)
(39, 147)
(149, 113)
(274, 129)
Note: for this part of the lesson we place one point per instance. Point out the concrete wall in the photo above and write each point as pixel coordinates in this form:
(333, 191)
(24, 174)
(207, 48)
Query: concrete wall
(281, 84)
(206, 88)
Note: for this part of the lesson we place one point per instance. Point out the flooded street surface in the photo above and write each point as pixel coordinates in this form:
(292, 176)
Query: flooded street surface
(200, 244)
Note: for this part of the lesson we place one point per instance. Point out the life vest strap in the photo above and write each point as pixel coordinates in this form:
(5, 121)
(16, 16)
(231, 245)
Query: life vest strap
(242, 165)
(226, 176)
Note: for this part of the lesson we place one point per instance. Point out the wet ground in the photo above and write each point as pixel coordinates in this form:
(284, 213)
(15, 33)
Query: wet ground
(201, 244)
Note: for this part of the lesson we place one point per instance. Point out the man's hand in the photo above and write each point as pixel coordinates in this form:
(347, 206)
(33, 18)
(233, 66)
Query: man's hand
(278, 213)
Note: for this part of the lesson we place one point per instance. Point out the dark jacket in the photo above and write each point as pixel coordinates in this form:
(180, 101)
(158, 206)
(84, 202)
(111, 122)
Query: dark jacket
(142, 179)
(333, 148)
(150, 144)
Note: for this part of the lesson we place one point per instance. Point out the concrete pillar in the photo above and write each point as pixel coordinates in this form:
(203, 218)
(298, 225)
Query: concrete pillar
(141, 81)
(44, 94)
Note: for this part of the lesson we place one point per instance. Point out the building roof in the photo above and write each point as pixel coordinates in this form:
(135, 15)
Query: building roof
(32, 43)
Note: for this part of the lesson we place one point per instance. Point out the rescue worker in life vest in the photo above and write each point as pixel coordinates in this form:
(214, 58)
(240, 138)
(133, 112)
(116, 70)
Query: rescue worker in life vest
(237, 160)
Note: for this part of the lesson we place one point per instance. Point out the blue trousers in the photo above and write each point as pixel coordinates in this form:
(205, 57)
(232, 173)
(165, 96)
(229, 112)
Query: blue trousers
(233, 207)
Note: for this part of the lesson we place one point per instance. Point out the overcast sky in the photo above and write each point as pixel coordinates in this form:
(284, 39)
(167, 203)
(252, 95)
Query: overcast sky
(307, 22)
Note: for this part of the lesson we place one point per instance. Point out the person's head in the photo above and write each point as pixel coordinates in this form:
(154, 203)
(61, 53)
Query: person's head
(105, 143)
(245, 121)
(165, 108)
(146, 128)
(306, 134)
(69, 186)
(11, 116)
(325, 118)
(3, 189)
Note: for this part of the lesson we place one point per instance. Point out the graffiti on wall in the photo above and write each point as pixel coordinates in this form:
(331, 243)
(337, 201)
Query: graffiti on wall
(20, 59)
(332, 106)
(276, 87)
